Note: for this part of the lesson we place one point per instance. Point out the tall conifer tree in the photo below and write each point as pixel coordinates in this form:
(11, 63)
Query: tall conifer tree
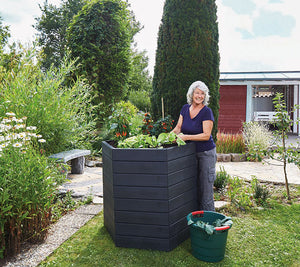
(187, 51)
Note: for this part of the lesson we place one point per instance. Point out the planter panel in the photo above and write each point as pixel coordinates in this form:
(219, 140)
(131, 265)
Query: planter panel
(153, 180)
(148, 194)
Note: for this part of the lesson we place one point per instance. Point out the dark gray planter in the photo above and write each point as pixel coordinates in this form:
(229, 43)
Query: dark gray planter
(147, 195)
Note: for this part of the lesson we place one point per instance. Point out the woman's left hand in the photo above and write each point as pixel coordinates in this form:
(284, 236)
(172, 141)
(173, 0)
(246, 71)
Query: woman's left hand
(183, 137)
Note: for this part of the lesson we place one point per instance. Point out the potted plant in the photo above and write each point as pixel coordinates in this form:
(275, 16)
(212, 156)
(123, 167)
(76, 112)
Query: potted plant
(148, 192)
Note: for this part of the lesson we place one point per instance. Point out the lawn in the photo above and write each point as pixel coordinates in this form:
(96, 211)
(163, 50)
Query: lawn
(268, 237)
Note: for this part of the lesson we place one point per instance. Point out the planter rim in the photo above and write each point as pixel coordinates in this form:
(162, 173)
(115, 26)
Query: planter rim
(141, 149)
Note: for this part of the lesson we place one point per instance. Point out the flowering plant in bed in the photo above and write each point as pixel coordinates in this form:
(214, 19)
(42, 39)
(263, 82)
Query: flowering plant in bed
(27, 185)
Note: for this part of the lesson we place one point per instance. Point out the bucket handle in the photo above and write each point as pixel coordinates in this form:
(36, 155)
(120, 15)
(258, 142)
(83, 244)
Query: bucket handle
(199, 212)
(222, 228)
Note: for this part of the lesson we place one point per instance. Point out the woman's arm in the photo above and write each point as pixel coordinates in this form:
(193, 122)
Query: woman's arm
(207, 128)
(177, 128)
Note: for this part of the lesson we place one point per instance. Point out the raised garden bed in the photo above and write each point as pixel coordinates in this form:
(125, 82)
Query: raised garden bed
(148, 194)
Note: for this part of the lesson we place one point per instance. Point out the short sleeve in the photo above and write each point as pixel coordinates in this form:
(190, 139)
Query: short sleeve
(184, 110)
(208, 115)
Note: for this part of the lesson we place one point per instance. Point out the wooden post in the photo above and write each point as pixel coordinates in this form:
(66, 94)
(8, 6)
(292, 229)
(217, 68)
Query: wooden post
(162, 108)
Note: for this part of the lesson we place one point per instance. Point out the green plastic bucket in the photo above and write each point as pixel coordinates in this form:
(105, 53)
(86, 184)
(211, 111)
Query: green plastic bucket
(208, 247)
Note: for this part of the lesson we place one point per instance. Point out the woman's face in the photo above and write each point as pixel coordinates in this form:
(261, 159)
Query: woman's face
(198, 96)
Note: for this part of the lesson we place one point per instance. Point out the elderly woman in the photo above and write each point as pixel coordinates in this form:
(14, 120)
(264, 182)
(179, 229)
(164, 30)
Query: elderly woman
(195, 124)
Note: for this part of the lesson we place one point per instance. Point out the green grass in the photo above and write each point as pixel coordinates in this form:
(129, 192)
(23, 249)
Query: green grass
(269, 237)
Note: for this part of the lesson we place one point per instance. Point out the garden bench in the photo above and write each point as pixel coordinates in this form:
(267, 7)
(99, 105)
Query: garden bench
(76, 156)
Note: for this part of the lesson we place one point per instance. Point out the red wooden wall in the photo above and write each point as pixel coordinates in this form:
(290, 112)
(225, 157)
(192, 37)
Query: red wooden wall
(232, 111)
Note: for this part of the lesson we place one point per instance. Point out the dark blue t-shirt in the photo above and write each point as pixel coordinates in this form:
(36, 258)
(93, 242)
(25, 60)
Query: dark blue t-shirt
(195, 126)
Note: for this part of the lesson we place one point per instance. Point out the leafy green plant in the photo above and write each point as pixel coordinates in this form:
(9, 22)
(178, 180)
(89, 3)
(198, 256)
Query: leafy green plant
(136, 123)
(62, 113)
(140, 99)
(146, 141)
(28, 181)
(239, 194)
(147, 124)
(260, 193)
(230, 143)
(222, 178)
(163, 125)
(120, 119)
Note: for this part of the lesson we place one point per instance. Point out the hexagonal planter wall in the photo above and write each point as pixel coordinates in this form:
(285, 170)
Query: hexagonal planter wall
(148, 194)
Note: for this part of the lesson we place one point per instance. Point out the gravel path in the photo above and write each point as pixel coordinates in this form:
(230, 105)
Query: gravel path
(59, 232)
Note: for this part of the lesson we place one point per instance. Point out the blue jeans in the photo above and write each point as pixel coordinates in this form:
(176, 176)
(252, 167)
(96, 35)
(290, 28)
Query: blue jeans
(205, 179)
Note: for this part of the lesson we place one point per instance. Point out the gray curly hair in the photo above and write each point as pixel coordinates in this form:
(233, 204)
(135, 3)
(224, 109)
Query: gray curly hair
(200, 85)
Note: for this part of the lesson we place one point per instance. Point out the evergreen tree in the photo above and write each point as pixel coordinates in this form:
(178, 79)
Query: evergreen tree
(187, 51)
(100, 36)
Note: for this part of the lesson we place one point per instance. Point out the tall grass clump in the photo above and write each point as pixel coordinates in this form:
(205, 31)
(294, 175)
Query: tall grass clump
(27, 185)
(230, 143)
(258, 139)
(60, 108)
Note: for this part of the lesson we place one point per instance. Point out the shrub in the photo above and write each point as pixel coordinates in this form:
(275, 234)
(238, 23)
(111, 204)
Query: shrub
(119, 121)
(28, 181)
(136, 123)
(239, 194)
(163, 125)
(257, 139)
(260, 193)
(222, 178)
(140, 99)
(147, 124)
(62, 112)
(230, 143)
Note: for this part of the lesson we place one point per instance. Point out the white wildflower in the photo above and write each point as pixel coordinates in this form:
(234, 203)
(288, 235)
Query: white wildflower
(22, 135)
(14, 136)
(11, 114)
(17, 120)
(42, 140)
(31, 128)
(17, 145)
(19, 126)
(6, 120)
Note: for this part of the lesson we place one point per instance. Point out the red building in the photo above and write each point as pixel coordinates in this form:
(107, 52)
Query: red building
(248, 96)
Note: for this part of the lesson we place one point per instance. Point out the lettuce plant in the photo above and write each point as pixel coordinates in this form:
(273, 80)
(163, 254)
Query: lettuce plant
(147, 141)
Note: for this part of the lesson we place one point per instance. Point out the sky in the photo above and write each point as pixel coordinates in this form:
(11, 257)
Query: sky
(254, 35)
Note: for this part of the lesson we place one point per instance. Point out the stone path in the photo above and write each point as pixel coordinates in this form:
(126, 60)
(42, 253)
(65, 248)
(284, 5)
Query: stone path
(87, 184)
(269, 171)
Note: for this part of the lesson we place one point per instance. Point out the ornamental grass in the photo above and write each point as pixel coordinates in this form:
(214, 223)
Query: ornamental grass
(230, 143)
